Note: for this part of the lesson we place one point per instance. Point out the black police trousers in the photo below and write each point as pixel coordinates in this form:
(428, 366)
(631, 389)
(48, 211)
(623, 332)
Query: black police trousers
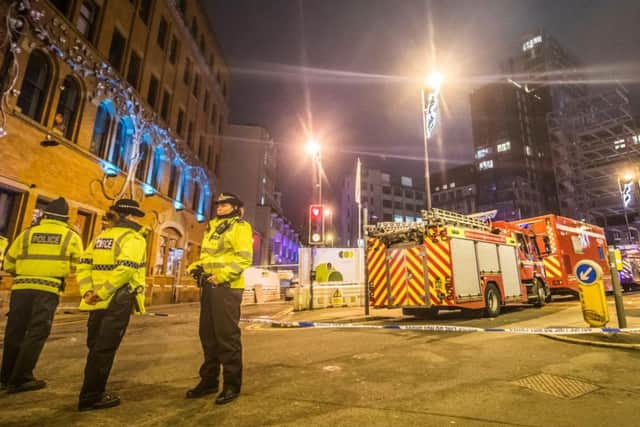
(220, 336)
(28, 326)
(105, 330)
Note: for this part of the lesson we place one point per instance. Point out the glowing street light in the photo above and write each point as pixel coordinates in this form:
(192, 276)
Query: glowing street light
(312, 148)
(434, 81)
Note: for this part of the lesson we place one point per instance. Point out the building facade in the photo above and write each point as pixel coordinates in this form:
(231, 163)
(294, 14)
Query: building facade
(455, 189)
(386, 197)
(104, 100)
(276, 241)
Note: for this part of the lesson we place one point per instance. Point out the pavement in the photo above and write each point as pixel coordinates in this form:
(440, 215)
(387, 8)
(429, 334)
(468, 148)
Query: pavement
(569, 316)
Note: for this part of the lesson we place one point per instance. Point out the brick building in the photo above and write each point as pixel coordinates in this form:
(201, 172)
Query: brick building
(108, 99)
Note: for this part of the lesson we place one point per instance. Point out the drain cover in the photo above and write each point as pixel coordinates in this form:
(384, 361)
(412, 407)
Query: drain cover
(554, 385)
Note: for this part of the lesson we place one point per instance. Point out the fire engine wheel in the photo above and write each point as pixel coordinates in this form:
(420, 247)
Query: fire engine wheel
(541, 292)
(492, 300)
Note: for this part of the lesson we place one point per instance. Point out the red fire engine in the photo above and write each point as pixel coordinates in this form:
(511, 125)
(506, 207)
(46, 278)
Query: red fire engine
(452, 261)
(567, 241)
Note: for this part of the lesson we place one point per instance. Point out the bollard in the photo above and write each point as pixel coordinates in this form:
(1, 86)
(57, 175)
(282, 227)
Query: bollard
(592, 297)
(614, 261)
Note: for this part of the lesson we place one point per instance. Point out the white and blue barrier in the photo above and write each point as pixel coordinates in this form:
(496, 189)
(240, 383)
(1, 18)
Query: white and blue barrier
(441, 328)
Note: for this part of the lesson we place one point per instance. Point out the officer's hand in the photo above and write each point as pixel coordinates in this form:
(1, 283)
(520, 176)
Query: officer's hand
(213, 280)
(89, 297)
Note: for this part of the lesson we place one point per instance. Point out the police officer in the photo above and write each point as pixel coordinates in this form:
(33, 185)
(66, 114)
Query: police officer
(227, 250)
(111, 278)
(41, 258)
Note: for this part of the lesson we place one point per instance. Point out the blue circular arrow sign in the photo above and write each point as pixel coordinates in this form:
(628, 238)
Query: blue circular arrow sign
(587, 272)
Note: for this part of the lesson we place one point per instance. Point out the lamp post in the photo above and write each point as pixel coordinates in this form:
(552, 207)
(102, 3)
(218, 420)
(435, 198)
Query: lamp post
(625, 195)
(313, 149)
(429, 117)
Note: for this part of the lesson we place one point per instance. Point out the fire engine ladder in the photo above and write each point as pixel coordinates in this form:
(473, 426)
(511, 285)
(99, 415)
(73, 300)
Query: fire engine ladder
(441, 217)
(388, 228)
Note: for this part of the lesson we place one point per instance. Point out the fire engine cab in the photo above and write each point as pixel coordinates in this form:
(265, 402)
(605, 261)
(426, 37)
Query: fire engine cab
(452, 261)
(567, 241)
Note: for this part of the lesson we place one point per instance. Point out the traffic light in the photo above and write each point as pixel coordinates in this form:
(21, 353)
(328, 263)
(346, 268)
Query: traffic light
(316, 224)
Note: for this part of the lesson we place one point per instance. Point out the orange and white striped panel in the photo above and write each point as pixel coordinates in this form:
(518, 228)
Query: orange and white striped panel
(377, 272)
(438, 269)
(552, 266)
(397, 277)
(414, 258)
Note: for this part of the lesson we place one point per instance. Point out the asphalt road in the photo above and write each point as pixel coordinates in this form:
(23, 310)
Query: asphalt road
(339, 377)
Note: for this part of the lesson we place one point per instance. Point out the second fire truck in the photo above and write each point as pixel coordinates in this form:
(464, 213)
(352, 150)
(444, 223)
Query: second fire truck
(452, 261)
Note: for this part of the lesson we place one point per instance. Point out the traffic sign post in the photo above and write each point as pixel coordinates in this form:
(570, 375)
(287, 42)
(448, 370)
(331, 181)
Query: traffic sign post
(592, 297)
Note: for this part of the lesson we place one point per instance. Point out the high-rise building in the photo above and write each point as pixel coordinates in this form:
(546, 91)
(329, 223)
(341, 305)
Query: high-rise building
(109, 99)
(455, 189)
(275, 239)
(510, 151)
(515, 156)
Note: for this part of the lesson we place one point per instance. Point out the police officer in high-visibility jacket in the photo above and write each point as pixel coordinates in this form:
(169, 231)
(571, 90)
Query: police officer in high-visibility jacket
(111, 278)
(227, 250)
(41, 258)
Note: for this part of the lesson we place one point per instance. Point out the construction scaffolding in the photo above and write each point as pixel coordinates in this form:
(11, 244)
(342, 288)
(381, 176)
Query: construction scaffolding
(594, 141)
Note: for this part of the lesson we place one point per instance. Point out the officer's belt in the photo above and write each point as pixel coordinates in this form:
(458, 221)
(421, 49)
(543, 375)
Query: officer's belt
(45, 282)
(109, 267)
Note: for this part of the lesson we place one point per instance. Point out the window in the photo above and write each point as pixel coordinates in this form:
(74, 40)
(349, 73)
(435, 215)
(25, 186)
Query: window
(173, 51)
(528, 151)
(182, 7)
(190, 135)
(202, 149)
(205, 106)
(62, 5)
(194, 28)
(397, 192)
(482, 152)
(35, 86)
(105, 119)
(68, 106)
(175, 175)
(505, 146)
(397, 205)
(145, 10)
(180, 122)
(9, 205)
(398, 218)
(486, 164)
(120, 150)
(87, 19)
(195, 201)
(196, 85)
(409, 207)
(418, 196)
(116, 51)
(406, 181)
(164, 110)
(152, 95)
(386, 203)
(161, 40)
(386, 190)
(145, 157)
(133, 74)
(156, 168)
(186, 77)
(387, 217)
(385, 177)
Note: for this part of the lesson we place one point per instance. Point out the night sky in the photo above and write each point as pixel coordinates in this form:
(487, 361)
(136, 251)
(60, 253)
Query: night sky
(349, 72)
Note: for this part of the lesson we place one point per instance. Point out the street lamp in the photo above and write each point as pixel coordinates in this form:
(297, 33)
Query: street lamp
(626, 192)
(313, 148)
(430, 92)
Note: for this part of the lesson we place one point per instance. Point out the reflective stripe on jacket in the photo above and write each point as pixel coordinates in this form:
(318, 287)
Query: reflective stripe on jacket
(43, 255)
(117, 257)
(227, 254)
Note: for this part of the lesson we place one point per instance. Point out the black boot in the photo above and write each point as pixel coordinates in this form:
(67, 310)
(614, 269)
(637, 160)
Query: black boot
(26, 386)
(107, 401)
(227, 395)
(202, 389)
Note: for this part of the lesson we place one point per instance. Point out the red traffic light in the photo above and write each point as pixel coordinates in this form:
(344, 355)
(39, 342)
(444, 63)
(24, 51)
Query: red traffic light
(316, 224)
(315, 211)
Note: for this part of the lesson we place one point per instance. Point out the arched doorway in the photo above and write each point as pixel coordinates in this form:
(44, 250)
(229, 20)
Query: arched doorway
(169, 252)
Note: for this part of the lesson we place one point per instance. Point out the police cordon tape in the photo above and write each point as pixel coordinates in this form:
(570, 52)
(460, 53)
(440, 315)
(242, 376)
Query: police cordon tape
(441, 328)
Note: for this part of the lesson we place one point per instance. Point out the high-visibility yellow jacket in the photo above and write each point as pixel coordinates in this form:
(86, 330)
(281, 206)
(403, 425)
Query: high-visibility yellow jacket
(42, 256)
(4, 244)
(227, 250)
(117, 257)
